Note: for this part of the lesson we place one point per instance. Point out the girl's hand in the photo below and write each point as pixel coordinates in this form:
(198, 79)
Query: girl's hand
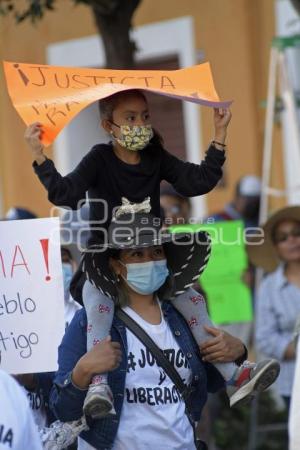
(33, 136)
(222, 117)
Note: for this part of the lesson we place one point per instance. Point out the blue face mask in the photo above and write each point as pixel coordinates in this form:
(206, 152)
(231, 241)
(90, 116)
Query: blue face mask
(146, 278)
(67, 277)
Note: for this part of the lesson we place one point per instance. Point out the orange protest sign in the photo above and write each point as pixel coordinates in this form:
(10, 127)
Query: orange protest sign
(55, 95)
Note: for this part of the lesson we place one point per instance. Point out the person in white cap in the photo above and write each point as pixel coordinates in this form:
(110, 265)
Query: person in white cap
(245, 205)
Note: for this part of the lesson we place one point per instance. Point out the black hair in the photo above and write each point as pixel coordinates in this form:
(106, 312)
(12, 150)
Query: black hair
(108, 105)
(157, 138)
(66, 251)
(114, 253)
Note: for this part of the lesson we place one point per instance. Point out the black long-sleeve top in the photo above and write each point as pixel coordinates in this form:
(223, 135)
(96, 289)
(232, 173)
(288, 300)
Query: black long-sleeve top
(104, 176)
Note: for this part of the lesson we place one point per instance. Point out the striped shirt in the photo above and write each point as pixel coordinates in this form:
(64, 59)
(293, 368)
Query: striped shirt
(277, 309)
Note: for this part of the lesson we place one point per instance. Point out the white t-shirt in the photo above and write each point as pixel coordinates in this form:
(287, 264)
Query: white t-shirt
(17, 428)
(153, 415)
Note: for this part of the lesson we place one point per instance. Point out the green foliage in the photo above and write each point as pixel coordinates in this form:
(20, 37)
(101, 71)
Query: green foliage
(231, 429)
(112, 18)
(34, 11)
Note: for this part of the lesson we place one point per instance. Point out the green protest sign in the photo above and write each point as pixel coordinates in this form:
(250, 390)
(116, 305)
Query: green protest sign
(229, 298)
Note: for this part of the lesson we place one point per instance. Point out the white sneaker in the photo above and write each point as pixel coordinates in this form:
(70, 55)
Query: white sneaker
(98, 401)
(252, 378)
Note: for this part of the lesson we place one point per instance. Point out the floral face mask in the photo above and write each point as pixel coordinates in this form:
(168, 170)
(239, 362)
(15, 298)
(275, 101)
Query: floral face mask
(134, 137)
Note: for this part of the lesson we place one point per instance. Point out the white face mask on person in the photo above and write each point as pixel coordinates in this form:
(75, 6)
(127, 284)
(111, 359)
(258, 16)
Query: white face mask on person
(146, 278)
(134, 137)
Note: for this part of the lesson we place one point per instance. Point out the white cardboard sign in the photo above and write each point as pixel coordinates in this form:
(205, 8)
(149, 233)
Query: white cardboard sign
(31, 295)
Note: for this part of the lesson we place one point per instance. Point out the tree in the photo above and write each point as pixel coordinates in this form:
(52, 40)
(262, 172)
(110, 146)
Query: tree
(112, 17)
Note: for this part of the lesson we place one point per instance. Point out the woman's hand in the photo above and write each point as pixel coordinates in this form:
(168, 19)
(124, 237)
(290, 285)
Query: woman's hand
(222, 347)
(103, 357)
(222, 117)
(33, 136)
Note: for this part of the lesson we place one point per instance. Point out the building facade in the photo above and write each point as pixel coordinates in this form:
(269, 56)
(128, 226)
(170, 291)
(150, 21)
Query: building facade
(233, 35)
